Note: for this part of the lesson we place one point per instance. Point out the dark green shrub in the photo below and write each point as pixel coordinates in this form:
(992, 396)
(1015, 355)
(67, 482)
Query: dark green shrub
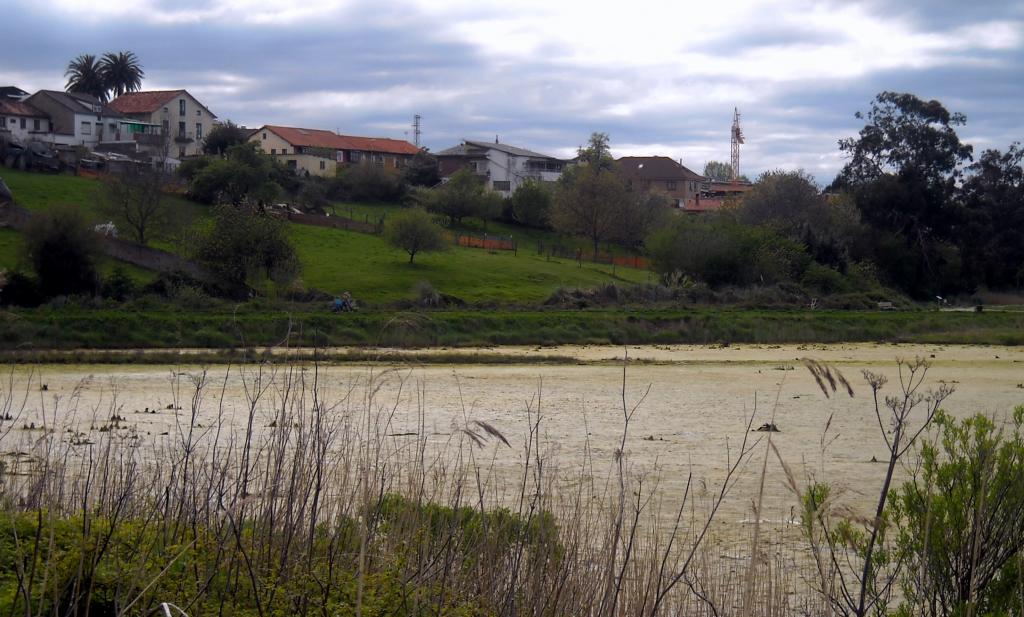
(62, 250)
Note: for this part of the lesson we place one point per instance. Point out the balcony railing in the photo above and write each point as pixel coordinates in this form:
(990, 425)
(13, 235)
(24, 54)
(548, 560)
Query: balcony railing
(183, 138)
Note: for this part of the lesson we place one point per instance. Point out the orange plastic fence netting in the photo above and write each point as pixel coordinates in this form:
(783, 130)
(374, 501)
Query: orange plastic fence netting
(494, 244)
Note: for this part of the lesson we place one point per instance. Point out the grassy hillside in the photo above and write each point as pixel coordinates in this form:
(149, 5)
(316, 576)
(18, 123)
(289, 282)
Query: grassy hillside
(337, 260)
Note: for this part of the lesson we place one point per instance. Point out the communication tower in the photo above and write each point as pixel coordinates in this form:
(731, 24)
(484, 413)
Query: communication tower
(416, 130)
(737, 139)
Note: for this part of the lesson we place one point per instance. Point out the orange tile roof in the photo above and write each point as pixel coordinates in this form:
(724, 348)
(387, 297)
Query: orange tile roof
(143, 102)
(317, 138)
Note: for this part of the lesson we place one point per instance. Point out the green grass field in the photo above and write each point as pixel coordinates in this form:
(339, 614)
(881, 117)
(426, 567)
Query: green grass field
(337, 260)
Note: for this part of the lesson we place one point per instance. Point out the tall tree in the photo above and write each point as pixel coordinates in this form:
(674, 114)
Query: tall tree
(135, 200)
(414, 232)
(992, 233)
(589, 203)
(903, 170)
(121, 73)
(598, 153)
(85, 75)
(222, 137)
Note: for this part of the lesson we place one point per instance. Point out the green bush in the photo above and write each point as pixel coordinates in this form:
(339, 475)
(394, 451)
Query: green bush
(720, 251)
(961, 520)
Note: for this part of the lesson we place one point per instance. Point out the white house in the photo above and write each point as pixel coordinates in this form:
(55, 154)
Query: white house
(501, 166)
(76, 119)
(22, 122)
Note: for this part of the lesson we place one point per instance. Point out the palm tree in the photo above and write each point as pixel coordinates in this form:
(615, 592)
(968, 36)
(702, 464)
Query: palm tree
(85, 75)
(121, 72)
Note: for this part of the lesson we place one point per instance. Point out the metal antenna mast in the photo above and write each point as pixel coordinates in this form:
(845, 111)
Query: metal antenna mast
(416, 130)
(737, 139)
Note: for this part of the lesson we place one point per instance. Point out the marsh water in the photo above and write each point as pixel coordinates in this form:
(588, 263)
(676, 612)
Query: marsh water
(695, 404)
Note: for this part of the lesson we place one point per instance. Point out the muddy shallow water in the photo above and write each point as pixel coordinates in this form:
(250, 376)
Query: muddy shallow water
(699, 400)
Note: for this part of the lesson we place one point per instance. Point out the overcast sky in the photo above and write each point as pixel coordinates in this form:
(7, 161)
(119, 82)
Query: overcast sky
(661, 78)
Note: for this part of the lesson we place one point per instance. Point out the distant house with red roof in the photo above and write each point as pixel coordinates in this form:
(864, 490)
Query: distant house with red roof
(174, 113)
(662, 174)
(319, 153)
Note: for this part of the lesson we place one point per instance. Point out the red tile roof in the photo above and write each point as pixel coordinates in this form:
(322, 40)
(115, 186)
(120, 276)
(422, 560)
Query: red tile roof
(17, 108)
(143, 102)
(316, 138)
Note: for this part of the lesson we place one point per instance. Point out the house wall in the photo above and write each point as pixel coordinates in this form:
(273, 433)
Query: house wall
(684, 191)
(198, 124)
(385, 159)
(62, 120)
(309, 163)
(273, 144)
(34, 128)
(512, 169)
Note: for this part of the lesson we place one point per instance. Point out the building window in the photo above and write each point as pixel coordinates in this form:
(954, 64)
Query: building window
(86, 128)
(22, 123)
(264, 137)
(199, 130)
(181, 153)
(199, 112)
(502, 185)
(670, 185)
(181, 107)
(273, 151)
(167, 126)
(323, 164)
(35, 124)
(181, 130)
(355, 156)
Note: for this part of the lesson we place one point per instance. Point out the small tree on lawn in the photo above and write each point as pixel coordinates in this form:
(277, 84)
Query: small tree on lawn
(413, 232)
(135, 200)
(242, 247)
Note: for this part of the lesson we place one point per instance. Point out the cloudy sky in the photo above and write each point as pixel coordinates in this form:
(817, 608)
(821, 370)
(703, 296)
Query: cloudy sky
(658, 77)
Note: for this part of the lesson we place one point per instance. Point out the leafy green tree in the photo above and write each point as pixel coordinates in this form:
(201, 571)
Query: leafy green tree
(597, 153)
(423, 170)
(531, 204)
(414, 232)
(463, 195)
(223, 136)
(991, 236)
(589, 202)
(961, 520)
(242, 247)
(903, 171)
(368, 182)
(121, 73)
(791, 204)
(642, 213)
(722, 172)
(245, 177)
(62, 248)
(721, 251)
(85, 75)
